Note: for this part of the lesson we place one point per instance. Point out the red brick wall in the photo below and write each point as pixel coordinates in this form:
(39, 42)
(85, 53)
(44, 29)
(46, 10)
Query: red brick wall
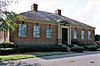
(86, 34)
(29, 39)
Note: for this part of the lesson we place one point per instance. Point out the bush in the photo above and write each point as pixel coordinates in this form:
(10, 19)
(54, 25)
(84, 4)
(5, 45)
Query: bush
(7, 48)
(40, 49)
(7, 45)
(6, 51)
(97, 37)
(92, 48)
(97, 45)
(77, 49)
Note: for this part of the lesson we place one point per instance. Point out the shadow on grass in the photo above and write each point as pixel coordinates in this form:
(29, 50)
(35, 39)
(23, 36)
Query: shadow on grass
(19, 64)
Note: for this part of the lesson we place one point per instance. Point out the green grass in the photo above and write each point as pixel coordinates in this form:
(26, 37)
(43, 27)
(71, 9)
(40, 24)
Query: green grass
(15, 57)
(51, 53)
(30, 55)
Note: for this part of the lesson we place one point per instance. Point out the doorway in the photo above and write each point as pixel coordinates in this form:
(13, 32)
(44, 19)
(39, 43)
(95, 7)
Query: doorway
(64, 36)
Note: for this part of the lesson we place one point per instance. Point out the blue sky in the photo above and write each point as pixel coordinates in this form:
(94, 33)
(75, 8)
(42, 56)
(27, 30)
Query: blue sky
(86, 11)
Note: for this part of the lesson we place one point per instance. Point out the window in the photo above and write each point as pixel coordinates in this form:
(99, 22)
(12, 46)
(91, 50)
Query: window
(22, 30)
(82, 35)
(75, 34)
(89, 35)
(36, 30)
(49, 32)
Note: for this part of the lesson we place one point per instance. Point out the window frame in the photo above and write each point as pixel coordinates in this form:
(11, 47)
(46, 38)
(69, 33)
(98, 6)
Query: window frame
(21, 30)
(36, 33)
(82, 34)
(75, 34)
(50, 32)
(89, 35)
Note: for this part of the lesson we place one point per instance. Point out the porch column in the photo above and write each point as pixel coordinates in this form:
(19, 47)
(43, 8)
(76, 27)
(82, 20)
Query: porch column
(59, 35)
(69, 34)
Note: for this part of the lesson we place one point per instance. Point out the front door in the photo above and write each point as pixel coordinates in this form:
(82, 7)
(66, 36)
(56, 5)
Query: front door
(64, 35)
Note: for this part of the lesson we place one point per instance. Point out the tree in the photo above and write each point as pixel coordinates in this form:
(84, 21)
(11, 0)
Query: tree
(5, 3)
(97, 37)
(9, 23)
(8, 19)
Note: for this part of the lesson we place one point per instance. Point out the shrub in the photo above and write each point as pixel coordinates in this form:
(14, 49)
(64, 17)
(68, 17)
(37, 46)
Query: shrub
(6, 51)
(7, 45)
(98, 45)
(77, 49)
(40, 49)
(92, 48)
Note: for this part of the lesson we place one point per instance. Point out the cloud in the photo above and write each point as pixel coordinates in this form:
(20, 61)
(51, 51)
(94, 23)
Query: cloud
(90, 14)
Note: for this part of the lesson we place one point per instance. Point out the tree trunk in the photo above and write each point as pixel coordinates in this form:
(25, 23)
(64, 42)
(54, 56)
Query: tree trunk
(6, 35)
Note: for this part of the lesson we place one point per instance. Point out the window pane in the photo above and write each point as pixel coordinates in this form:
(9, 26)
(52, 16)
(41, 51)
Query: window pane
(49, 32)
(82, 34)
(36, 31)
(89, 35)
(75, 34)
(36, 28)
(22, 30)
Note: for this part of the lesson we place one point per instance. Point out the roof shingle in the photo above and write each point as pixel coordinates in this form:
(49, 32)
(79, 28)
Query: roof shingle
(51, 17)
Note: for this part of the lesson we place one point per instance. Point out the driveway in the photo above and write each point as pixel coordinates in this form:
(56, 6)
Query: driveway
(79, 59)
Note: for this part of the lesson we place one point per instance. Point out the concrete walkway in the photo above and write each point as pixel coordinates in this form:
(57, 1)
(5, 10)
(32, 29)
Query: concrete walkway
(78, 59)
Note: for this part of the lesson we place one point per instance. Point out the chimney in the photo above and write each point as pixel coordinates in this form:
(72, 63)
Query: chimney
(34, 7)
(58, 12)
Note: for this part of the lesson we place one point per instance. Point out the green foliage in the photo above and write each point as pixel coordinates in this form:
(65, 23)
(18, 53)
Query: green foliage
(77, 49)
(9, 22)
(31, 55)
(97, 37)
(7, 45)
(15, 57)
(90, 47)
(23, 49)
(98, 45)
(8, 42)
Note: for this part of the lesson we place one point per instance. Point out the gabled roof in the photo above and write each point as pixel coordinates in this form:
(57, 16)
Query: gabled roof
(51, 17)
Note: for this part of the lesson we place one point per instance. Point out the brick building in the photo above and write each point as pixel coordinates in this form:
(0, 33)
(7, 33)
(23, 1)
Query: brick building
(44, 28)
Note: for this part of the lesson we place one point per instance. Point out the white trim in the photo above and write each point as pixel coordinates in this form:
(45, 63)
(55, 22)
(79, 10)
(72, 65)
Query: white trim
(60, 31)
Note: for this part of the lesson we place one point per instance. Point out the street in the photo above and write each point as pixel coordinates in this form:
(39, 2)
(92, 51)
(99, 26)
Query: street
(82, 60)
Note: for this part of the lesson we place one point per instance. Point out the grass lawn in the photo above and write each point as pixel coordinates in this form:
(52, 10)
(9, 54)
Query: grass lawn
(41, 54)
(30, 55)
(15, 57)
